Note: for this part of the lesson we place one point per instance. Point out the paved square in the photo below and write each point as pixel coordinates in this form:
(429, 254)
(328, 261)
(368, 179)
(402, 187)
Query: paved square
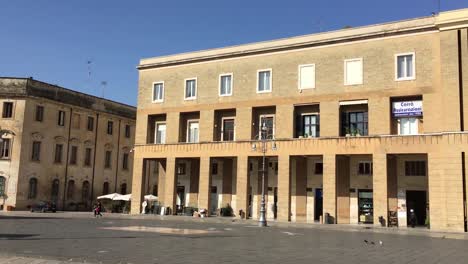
(32, 238)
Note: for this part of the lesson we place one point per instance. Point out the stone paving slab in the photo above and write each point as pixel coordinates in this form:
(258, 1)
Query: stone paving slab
(29, 260)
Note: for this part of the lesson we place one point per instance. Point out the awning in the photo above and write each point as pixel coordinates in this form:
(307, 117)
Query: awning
(108, 196)
(126, 197)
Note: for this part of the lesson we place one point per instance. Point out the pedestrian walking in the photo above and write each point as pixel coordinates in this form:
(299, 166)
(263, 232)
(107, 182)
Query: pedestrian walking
(98, 210)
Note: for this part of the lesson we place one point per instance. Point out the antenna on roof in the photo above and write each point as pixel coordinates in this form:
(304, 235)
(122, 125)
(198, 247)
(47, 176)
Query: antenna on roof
(103, 87)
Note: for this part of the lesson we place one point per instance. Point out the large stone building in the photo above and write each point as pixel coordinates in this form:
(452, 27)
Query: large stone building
(61, 145)
(361, 123)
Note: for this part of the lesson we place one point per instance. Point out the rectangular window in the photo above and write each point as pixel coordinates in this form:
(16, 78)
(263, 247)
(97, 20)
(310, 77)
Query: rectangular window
(127, 131)
(39, 113)
(87, 161)
(355, 123)
(365, 168)
(108, 161)
(225, 85)
(310, 126)
(227, 132)
(125, 161)
(353, 71)
(76, 120)
(306, 76)
(264, 81)
(61, 118)
(58, 153)
(318, 168)
(269, 122)
(7, 110)
(158, 92)
(181, 168)
(192, 131)
(160, 136)
(5, 148)
(110, 127)
(405, 67)
(190, 89)
(73, 154)
(408, 126)
(415, 168)
(90, 123)
(36, 151)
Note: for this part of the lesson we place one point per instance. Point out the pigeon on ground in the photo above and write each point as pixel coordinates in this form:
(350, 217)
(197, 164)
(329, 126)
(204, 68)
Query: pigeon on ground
(365, 241)
(372, 243)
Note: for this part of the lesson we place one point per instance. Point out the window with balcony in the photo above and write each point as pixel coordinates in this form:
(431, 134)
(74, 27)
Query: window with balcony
(225, 85)
(160, 133)
(190, 89)
(267, 121)
(192, 131)
(227, 132)
(405, 67)
(264, 81)
(408, 126)
(310, 125)
(158, 92)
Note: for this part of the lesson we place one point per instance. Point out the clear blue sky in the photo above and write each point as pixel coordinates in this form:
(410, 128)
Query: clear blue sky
(52, 40)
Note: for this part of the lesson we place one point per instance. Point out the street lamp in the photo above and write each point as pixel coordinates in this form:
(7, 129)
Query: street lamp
(263, 137)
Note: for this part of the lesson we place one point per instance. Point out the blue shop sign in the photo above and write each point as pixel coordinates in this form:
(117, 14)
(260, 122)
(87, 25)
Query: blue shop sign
(407, 108)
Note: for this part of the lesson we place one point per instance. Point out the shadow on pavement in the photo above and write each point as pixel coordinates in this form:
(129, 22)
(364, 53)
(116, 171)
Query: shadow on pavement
(16, 236)
(27, 217)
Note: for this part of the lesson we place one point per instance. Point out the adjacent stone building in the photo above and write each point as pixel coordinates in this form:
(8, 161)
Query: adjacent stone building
(362, 125)
(61, 145)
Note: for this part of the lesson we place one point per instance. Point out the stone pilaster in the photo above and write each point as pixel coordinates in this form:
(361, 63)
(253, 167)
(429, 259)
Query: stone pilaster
(380, 187)
(284, 188)
(242, 185)
(329, 186)
(204, 184)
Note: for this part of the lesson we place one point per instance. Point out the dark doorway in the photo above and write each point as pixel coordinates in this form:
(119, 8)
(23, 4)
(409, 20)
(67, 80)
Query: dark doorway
(417, 201)
(180, 202)
(275, 201)
(318, 204)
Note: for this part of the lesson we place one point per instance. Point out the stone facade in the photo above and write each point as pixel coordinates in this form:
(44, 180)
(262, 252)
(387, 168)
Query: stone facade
(378, 164)
(79, 176)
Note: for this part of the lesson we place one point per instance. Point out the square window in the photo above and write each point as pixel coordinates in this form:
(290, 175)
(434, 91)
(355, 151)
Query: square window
(405, 67)
(264, 81)
(158, 92)
(190, 89)
(307, 76)
(225, 85)
(353, 71)
(365, 168)
(318, 168)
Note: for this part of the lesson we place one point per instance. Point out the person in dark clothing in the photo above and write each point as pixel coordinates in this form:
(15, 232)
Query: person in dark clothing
(412, 218)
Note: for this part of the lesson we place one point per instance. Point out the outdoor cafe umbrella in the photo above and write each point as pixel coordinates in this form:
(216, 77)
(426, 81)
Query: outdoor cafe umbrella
(150, 197)
(126, 197)
(108, 196)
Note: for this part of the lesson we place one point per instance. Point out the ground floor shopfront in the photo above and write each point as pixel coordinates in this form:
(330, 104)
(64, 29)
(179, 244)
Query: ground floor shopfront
(374, 180)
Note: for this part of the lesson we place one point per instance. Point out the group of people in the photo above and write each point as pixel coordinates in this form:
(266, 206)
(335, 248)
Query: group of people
(97, 208)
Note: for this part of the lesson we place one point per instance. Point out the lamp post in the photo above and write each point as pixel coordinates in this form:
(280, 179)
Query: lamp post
(262, 222)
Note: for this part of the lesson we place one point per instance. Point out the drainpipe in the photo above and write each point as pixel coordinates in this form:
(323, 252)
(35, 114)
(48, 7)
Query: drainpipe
(117, 163)
(66, 159)
(94, 156)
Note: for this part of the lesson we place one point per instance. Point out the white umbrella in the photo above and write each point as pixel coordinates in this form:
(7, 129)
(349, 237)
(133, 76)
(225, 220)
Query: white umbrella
(126, 197)
(150, 197)
(110, 196)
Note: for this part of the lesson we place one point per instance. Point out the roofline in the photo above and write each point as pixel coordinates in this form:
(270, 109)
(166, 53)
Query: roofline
(67, 89)
(401, 27)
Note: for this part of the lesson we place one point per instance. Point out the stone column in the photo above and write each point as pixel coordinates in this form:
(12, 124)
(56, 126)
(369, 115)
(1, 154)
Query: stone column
(172, 127)
(206, 125)
(284, 188)
(284, 123)
(170, 184)
(137, 184)
(445, 190)
(342, 189)
(380, 187)
(161, 179)
(204, 184)
(242, 185)
(243, 123)
(329, 186)
(301, 189)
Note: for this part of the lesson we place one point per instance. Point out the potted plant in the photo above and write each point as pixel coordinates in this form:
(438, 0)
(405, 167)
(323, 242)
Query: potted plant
(347, 131)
